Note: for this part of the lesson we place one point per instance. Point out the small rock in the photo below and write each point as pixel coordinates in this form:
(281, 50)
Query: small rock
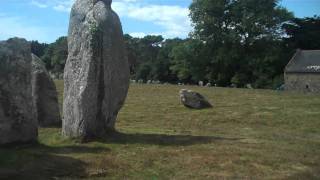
(193, 100)
(249, 86)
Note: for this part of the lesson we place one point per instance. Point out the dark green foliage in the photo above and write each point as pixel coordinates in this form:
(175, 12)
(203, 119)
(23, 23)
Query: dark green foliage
(304, 33)
(149, 57)
(242, 38)
(56, 55)
(162, 70)
(38, 48)
(189, 61)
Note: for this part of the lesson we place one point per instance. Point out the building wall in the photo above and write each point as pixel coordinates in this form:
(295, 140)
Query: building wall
(303, 82)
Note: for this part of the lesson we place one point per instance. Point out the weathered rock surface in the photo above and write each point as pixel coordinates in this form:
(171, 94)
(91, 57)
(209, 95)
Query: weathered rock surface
(45, 95)
(193, 100)
(18, 121)
(97, 71)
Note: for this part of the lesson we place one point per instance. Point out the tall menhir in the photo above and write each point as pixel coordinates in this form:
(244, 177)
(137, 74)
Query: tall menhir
(96, 76)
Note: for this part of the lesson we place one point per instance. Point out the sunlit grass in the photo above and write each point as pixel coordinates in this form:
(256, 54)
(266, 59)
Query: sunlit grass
(249, 134)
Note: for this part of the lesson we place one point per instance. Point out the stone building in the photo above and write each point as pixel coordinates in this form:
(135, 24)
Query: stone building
(303, 72)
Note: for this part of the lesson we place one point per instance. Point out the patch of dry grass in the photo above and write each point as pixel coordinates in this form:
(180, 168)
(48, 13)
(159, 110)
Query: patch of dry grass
(249, 134)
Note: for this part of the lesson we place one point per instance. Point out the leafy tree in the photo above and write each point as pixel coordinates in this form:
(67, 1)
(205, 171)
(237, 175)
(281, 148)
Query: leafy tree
(162, 65)
(56, 54)
(38, 48)
(131, 44)
(237, 34)
(189, 61)
(144, 71)
(143, 54)
(304, 33)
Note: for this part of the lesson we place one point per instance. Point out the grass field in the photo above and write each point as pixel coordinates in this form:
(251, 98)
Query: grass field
(249, 134)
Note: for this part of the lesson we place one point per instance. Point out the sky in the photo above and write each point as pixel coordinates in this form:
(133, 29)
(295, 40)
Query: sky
(46, 20)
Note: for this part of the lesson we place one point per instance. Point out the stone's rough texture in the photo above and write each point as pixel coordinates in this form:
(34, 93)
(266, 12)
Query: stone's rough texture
(302, 82)
(17, 113)
(45, 95)
(193, 100)
(97, 71)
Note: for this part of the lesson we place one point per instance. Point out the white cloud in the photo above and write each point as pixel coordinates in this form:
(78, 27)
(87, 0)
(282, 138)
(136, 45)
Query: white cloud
(58, 5)
(39, 4)
(143, 34)
(64, 6)
(172, 20)
(18, 27)
(138, 34)
(125, 0)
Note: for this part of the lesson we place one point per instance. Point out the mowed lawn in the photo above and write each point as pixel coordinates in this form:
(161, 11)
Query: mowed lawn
(249, 134)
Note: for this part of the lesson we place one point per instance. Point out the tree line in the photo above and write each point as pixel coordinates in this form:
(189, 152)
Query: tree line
(234, 42)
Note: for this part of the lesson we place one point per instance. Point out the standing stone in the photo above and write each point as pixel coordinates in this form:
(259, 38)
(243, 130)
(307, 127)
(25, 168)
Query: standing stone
(200, 83)
(18, 121)
(193, 99)
(97, 71)
(45, 95)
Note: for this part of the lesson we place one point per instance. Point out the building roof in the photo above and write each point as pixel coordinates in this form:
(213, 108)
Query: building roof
(304, 61)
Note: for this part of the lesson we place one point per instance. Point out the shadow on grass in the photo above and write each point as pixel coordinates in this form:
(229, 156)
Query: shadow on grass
(76, 149)
(162, 139)
(38, 161)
